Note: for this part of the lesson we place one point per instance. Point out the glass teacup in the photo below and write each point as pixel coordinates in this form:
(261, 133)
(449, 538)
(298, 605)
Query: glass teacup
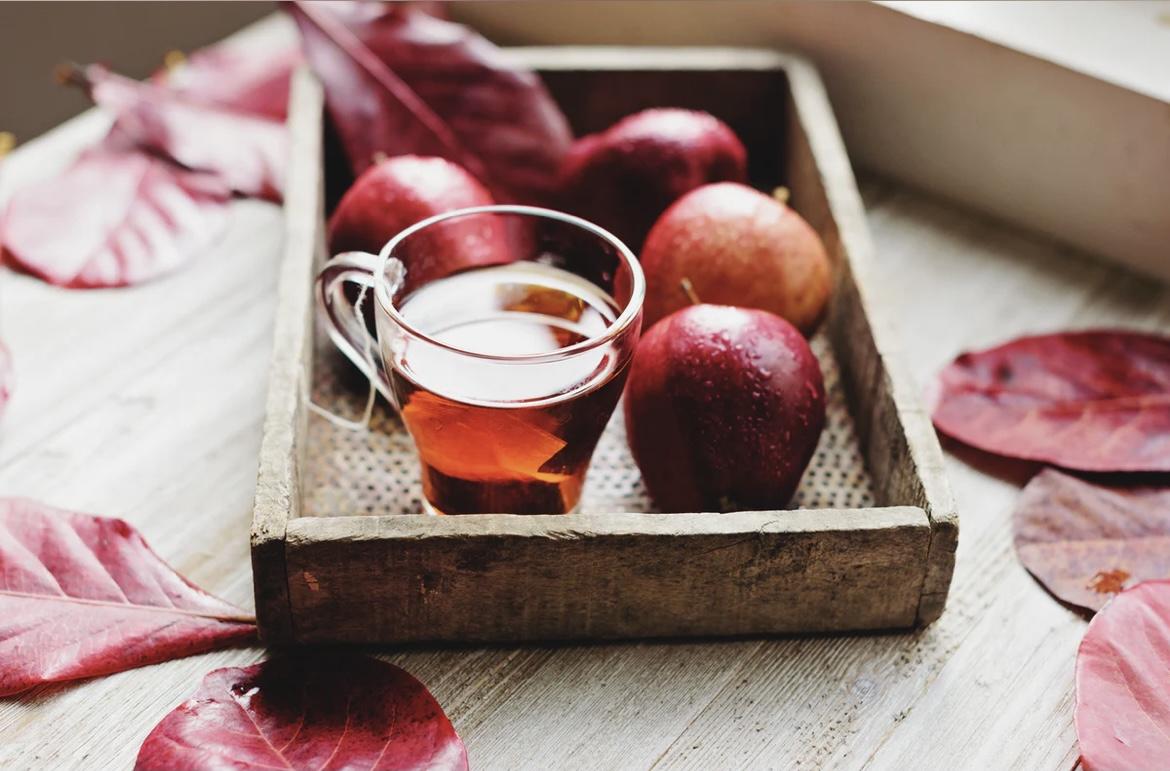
(504, 349)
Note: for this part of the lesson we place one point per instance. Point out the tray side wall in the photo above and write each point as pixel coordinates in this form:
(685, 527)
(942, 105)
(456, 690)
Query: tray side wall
(898, 441)
(278, 480)
(608, 576)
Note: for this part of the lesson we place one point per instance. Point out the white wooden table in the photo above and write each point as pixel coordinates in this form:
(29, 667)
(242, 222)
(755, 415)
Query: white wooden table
(146, 403)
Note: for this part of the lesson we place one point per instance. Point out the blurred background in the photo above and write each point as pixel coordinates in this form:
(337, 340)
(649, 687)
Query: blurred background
(132, 37)
(1049, 115)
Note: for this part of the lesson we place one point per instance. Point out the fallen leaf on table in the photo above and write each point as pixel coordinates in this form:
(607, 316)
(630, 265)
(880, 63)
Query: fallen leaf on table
(82, 596)
(313, 711)
(115, 217)
(229, 76)
(1122, 702)
(1091, 401)
(400, 81)
(1085, 541)
(247, 152)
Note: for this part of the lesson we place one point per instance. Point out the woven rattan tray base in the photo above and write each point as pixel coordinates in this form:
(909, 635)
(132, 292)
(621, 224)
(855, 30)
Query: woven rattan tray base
(375, 472)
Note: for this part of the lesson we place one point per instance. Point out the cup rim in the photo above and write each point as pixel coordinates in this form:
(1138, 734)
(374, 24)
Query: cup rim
(631, 311)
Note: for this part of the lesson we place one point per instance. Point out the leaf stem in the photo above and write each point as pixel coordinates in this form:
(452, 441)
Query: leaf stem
(71, 74)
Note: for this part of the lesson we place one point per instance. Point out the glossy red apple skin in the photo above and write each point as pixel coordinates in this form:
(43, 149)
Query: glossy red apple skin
(736, 246)
(400, 191)
(723, 409)
(624, 177)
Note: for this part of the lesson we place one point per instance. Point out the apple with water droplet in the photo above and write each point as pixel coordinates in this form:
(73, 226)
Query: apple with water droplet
(724, 407)
(400, 191)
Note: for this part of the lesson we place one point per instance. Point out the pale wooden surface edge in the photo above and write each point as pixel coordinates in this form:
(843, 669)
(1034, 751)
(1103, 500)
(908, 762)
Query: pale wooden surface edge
(556, 527)
(278, 476)
(927, 471)
(664, 58)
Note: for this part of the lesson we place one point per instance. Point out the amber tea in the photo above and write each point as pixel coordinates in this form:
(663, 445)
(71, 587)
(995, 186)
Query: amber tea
(496, 437)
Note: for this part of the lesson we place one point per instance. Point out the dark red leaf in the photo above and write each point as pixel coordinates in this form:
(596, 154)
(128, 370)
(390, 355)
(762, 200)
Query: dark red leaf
(1123, 703)
(374, 110)
(235, 78)
(400, 81)
(249, 153)
(113, 218)
(1092, 401)
(1087, 541)
(315, 711)
(82, 596)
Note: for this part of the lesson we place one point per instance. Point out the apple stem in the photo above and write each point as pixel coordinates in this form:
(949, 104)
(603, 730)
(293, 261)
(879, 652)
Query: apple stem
(7, 142)
(781, 194)
(689, 290)
(379, 157)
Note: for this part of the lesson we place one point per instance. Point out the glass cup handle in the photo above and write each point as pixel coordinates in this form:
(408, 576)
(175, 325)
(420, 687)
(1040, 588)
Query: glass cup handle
(345, 325)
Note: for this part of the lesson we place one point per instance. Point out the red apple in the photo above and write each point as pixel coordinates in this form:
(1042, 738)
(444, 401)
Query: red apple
(398, 192)
(723, 407)
(625, 176)
(736, 246)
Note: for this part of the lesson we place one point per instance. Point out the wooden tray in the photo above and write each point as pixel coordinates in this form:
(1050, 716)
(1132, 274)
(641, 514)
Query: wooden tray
(335, 572)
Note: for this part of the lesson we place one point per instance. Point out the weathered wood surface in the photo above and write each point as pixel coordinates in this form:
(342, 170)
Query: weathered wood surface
(897, 439)
(604, 576)
(148, 402)
(413, 579)
(286, 412)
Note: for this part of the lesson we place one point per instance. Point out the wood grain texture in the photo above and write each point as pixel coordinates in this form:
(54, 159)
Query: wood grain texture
(148, 403)
(899, 443)
(394, 579)
(278, 479)
(603, 576)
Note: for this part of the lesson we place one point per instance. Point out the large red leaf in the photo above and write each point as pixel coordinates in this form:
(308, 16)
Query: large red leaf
(401, 81)
(82, 596)
(1086, 542)
(1123, 668)
(1093, 401)
(247, 152)
(115, 217)
(316, 711)
(235, 78)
